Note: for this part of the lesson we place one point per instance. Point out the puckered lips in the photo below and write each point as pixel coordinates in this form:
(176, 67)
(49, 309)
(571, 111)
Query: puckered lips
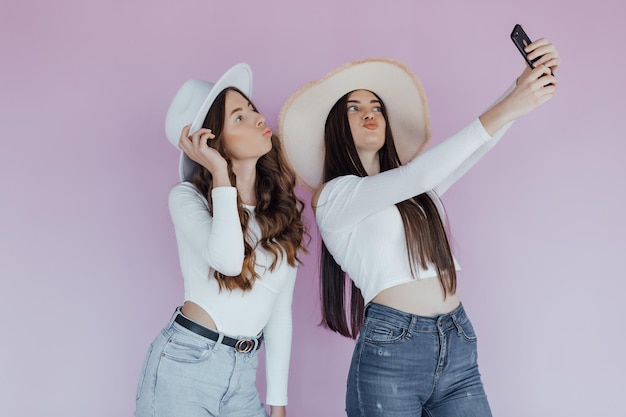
(370, 125)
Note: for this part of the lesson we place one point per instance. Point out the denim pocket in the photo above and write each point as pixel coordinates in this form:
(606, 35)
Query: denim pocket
(467, 331)
(380, 331)
(142, 374)
(180, 351)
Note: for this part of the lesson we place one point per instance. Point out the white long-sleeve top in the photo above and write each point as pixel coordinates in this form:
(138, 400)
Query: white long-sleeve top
(361, 225)
(208, 243)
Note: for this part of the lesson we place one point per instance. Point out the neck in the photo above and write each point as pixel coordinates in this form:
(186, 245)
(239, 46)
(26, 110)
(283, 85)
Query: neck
(246, 181)
(370, 162)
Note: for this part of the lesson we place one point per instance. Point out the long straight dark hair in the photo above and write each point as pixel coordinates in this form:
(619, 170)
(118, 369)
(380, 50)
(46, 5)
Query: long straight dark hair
(425, 233)
(278, 210)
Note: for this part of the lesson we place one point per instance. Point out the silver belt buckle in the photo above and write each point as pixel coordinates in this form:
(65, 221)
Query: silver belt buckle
(244, 345)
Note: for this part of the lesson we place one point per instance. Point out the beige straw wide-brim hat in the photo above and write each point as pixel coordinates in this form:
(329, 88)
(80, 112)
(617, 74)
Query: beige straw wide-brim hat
(303, 116)
(192, 103)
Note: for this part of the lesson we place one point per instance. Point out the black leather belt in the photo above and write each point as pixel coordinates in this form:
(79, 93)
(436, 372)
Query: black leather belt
(240, 345)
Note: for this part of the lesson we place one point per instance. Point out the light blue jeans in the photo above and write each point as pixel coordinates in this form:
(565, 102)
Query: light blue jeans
(412, 366)
(188, 375)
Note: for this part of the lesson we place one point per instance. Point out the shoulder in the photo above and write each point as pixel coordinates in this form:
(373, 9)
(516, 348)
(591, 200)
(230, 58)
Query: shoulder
(321, 195)
(339, 185)
(183, 194)
(184, 188)
(316, 195)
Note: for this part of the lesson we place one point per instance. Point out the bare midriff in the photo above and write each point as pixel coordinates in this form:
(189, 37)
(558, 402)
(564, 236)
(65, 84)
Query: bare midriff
(198, 314)
(420, 297)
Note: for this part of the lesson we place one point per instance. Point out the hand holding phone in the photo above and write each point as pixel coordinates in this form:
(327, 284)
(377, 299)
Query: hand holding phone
(521, 40)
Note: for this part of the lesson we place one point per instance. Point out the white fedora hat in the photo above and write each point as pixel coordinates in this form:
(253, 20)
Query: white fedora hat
(303, 116)
(192, 103)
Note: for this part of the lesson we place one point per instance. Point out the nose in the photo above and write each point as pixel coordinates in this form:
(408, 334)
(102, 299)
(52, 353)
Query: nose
(260, 121)
(369, 116)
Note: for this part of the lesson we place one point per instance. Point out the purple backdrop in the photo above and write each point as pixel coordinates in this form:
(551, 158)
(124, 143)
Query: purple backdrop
(88, 263)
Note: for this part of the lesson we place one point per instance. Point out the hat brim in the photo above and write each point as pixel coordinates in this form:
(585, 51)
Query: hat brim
(238, 76)
(303, 116)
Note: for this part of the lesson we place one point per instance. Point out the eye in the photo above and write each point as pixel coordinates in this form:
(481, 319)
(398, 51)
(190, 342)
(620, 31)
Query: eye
(239, 118)
(377, 109)
(353, 108)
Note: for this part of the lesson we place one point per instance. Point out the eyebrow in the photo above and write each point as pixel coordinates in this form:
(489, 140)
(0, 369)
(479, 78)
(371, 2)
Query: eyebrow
(235, 111)
(358, 101)
(240, 109)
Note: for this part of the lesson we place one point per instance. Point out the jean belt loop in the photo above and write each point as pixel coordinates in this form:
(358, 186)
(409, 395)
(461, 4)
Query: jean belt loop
(459, 329)
(367, 306)
(176, 313)
(412, 326)
(218, 342)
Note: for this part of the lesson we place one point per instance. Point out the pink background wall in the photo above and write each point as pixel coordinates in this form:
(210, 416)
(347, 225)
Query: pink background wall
(88, 263)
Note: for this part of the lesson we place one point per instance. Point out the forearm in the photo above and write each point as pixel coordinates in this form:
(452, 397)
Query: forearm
(278, 411)
(218, 239)
(496, 117)
(491, 116)
(226, 237)
(443, 186)
(533, 88)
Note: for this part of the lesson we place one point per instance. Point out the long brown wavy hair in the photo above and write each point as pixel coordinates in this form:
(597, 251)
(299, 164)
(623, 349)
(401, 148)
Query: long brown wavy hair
(424, 230)
(278, 210)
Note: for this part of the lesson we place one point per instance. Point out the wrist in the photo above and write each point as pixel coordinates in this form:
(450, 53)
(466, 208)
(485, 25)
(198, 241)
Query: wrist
(496, 117)
(221, 177)
(278, 411)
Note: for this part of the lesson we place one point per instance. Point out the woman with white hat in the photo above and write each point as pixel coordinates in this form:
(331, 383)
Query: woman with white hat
(239, 231)
(354, 138)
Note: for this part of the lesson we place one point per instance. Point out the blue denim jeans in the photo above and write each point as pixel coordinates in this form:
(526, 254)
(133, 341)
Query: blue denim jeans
(406, 366)
(188, 375)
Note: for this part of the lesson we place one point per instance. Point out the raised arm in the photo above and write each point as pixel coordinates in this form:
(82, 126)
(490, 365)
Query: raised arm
(465, 166)
(218, 239)
(345, 201)
(533, 88)
(528, 89)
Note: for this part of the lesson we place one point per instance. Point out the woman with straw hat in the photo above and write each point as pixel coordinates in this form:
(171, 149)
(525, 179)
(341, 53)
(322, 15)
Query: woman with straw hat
(239, 230)
(355, 138)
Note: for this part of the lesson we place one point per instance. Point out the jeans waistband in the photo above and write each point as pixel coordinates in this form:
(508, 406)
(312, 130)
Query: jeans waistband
(244, 345)
(415, 322)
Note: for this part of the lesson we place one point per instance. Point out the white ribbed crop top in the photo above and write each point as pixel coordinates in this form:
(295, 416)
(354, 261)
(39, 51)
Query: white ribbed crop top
(362, 227)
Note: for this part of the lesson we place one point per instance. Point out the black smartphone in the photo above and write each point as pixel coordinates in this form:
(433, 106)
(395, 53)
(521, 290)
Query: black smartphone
(521, 40)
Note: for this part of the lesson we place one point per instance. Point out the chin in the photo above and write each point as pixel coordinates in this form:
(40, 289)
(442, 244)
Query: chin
(266, 150)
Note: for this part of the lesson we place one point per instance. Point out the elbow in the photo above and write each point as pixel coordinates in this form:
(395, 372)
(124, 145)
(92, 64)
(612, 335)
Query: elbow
(231, 266)
(229, 270)
(228, 263)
